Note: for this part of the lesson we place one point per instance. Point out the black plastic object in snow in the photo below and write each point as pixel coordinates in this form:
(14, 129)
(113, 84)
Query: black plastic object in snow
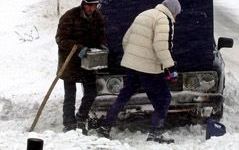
(214, 128)
(34, 144)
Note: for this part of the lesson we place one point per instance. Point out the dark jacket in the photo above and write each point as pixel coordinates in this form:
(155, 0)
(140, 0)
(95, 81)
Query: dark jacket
(75, 28)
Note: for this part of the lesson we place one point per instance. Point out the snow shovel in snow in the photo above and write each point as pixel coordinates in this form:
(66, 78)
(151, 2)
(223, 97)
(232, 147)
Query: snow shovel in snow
(73, 50)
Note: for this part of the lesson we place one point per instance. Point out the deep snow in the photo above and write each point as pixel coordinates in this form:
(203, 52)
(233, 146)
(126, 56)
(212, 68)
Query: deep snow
(28, 62)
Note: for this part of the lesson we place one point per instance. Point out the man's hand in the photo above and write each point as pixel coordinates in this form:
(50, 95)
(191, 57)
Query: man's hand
(83, 52)
(171, 75)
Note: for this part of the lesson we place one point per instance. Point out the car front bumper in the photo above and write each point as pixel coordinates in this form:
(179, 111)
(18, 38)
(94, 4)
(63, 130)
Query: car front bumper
(203, 104)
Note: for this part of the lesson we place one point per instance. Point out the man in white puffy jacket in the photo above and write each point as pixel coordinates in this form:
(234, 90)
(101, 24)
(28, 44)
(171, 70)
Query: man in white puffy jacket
(147, 45)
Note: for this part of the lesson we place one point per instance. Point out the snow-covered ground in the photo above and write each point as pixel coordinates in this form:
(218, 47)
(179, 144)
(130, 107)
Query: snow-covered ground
(28, 60)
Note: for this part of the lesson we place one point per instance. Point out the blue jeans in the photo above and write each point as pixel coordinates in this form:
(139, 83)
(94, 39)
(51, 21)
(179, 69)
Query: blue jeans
(156, 89)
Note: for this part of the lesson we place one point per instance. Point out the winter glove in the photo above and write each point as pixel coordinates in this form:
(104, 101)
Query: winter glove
(171, 75)
(83, 52)
(104, 47)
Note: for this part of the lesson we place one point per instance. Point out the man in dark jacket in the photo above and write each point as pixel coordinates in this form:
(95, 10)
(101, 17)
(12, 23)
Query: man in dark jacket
(83, 26)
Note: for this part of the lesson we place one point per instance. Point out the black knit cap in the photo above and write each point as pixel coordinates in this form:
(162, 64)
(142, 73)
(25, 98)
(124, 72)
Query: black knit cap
(91, 1)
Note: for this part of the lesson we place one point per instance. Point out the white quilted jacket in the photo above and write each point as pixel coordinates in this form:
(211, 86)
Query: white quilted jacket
(147, 42)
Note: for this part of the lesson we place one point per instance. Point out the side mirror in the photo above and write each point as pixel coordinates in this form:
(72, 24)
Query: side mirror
(224, 42)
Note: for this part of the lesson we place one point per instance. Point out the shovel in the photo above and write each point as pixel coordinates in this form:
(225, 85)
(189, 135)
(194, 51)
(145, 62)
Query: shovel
(73, 50)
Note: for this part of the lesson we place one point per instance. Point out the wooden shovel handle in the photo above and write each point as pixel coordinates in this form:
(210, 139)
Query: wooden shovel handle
(73, 50)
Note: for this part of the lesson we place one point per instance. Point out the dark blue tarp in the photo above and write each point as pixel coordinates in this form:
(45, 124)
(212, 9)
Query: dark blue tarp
(193, 40)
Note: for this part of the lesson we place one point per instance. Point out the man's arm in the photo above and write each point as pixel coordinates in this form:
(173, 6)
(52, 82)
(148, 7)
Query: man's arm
(64, 32)
(126, 37)
(161, 42)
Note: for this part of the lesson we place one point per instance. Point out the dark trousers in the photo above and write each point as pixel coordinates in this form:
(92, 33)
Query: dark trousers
(156, 89)
(89, 94)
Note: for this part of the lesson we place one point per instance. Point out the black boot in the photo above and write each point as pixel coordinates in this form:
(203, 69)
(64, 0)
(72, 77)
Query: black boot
(69, 127)
(162, 139)
(82, 123)
(151, 135)
(156, 135)
(104, 131)
(83, 126)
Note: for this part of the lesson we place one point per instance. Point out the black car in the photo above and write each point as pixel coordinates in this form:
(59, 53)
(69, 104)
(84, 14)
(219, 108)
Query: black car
(198, 91)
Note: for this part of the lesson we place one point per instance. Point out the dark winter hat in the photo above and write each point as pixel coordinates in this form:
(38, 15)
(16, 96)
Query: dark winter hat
(90, 1)
(173, 5)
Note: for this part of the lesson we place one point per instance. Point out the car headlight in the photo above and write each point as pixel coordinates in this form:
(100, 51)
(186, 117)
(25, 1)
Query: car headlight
(109, 84)
(202, 81)
(114, 85)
